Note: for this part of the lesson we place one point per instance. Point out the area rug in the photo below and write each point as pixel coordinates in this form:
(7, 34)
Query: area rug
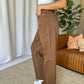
(23, 73)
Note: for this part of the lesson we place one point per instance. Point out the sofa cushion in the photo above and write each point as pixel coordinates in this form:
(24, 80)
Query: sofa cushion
(64, 55)
(72, 41)
(71, 58)
(81, 44)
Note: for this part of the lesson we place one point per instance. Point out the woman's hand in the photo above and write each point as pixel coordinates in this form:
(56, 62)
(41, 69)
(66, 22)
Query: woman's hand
(39, 8)
(38, 12)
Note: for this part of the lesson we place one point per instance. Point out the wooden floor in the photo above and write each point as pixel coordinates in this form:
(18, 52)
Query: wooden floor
(23, 73)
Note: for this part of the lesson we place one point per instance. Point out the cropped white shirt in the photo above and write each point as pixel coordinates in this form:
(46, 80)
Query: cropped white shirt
(45, 1)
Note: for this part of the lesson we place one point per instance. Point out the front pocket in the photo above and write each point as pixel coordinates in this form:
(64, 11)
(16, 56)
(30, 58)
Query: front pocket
(42, 19)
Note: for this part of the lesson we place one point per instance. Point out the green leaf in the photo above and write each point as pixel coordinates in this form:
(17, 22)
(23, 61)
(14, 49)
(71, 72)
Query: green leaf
(79, 11)
(74, 13)
(79, 16)
(61, 26)
(63, 10)
(64, 17)
(71, 31)
(65, 29)
(63, 22)
(78, 6)
(69, 11)
(72, 26)
(57, 13)
(76, 22)
(76, 18)
(70, 3)
(69, 22)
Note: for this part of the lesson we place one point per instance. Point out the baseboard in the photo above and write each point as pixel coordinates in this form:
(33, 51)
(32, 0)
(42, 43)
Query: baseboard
(14, 62)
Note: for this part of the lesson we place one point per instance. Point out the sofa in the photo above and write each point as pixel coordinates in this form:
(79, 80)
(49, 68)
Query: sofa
(69, 58)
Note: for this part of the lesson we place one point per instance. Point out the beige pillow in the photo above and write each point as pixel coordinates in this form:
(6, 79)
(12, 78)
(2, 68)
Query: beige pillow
(72, 41)
(81, 44)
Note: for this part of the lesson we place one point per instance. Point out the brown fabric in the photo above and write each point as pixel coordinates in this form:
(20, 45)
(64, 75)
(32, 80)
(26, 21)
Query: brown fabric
(69, 58)
(44, 47)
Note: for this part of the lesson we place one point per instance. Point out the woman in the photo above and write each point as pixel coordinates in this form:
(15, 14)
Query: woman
(44, 44)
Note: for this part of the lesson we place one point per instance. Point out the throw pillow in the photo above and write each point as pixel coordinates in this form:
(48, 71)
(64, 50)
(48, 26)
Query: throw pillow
(72, 41)
(81, 44)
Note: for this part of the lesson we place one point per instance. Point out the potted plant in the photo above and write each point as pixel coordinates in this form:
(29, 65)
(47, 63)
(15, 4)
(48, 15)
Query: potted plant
(69, 17)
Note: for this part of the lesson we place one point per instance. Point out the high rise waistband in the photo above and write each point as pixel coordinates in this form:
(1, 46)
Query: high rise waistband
(44, 11)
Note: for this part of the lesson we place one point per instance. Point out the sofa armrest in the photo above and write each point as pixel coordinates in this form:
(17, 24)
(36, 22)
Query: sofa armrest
(62, 41)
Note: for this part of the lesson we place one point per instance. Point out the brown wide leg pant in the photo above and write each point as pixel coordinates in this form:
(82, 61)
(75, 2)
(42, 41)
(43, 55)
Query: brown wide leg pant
(43, 47)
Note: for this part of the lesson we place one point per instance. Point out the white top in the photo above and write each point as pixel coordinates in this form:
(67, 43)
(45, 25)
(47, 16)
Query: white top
(45, 1)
